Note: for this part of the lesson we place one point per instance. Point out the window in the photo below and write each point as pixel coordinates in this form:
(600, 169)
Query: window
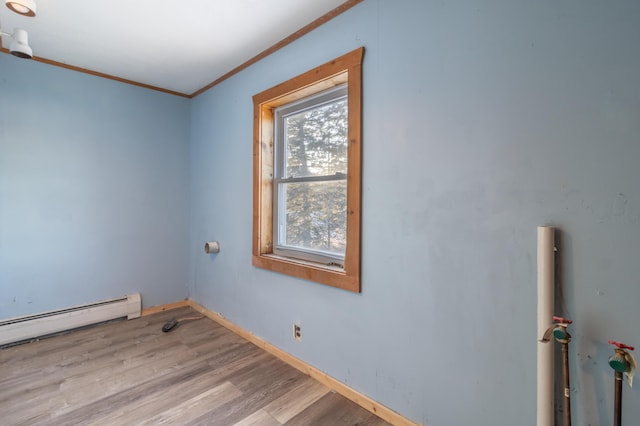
(306, 214)
(310, 184)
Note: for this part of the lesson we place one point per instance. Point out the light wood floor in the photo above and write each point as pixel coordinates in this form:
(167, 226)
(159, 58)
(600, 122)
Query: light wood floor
(130, 372)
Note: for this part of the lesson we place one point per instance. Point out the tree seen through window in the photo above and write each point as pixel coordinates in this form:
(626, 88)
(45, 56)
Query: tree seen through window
(316, 146)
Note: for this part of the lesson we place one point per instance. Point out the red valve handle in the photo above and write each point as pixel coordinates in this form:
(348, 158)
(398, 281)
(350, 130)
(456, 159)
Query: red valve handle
(562, 320)
(620, 345)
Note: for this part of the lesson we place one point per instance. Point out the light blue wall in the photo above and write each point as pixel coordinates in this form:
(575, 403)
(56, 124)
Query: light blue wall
(93, 190)
(482, 120)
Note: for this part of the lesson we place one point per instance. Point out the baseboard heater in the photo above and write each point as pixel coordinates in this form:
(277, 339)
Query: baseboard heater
(30, 327)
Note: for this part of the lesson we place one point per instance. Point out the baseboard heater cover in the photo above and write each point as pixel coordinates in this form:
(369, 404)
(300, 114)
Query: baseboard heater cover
(30, 327)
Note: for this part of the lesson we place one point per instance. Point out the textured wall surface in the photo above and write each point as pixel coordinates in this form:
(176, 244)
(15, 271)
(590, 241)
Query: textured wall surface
(94, 179)
(482, 120)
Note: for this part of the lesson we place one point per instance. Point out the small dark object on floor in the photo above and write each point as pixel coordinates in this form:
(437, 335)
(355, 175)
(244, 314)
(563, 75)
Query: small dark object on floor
(170, 325)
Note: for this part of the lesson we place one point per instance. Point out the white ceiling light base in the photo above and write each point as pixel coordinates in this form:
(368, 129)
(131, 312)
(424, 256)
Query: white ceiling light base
(22, 7)
(20, 45)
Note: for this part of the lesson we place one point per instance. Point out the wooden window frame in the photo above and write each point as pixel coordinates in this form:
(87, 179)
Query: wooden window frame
(345, 69)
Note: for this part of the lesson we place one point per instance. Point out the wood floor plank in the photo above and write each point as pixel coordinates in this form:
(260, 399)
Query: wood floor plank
(130, 372)
(259, 418)
(141, 408)
(196, 406)
(296, 400)
(156, 363)
(263, 384)
(74, 388)
(333, 409)
(122, 395)
(74, 374)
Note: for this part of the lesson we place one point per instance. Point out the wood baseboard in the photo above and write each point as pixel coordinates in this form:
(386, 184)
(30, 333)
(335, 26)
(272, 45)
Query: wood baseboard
(167, 307)
(332, 383)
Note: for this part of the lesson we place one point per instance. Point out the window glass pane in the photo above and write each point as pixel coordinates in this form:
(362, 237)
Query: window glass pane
(316, 141)
(316, 216)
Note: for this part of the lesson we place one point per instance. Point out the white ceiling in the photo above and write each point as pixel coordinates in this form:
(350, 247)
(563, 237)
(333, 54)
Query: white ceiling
(174, 45)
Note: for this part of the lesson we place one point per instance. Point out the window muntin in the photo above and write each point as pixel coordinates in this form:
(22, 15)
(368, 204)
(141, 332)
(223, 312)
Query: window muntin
(310, 190)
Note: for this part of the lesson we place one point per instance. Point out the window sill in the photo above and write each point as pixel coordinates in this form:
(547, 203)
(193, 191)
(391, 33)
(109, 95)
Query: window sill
(325, 274)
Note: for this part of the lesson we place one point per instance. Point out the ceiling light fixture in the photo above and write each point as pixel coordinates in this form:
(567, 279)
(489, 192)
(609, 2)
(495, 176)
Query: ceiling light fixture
(20, 45)
(22, 7)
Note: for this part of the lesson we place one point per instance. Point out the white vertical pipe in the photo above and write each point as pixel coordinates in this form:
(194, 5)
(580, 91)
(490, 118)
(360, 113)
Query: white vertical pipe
(546, 249)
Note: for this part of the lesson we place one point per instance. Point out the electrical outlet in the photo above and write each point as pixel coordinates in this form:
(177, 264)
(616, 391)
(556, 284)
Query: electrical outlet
(297, 332)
